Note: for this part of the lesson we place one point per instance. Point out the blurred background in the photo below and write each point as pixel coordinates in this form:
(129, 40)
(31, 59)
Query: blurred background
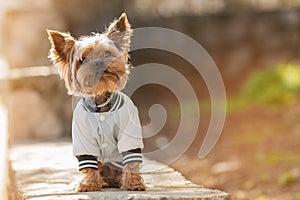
(255, 44)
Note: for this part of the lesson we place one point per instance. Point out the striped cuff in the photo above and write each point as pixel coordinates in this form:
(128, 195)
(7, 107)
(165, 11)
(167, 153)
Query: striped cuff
(132, 156)
(87, 161)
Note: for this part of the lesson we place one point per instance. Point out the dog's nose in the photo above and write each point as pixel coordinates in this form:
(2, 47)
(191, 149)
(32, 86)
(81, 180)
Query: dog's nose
(99, 66)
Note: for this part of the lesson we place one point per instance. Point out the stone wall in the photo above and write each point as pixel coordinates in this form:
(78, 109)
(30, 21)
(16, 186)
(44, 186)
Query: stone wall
(238, 42)
(39, 108)
(37, 105)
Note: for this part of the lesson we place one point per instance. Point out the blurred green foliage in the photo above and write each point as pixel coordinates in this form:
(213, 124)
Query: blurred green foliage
(287, 178)
(277, 157)
(275, 86)
(249, 139)
(262, 197)
(298, 196)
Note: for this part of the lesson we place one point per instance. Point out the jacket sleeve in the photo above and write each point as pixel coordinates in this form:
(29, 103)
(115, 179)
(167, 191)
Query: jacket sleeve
(87, 161)
(133, 155)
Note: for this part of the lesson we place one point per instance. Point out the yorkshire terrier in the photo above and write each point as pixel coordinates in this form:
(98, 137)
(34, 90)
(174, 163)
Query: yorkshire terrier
(106, 131)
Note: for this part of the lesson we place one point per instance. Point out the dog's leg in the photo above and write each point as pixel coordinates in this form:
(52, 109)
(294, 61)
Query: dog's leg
(131, 177)
(102, 171)
(92, 181)
(112, 176)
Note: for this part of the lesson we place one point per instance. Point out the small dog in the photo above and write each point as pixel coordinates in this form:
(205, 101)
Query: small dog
(106, 131)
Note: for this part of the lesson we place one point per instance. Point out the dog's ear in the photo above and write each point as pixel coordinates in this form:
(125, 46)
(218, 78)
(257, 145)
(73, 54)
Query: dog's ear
(61, 46)
(60, 54)
(120, 32)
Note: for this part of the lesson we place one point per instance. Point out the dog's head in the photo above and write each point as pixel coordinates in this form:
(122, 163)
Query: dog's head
(95, 64)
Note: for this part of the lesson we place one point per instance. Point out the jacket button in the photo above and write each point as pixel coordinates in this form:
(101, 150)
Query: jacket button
(102, 118)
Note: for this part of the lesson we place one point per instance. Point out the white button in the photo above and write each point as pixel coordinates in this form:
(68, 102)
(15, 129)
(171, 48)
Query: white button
(102, 118)
(104, 145)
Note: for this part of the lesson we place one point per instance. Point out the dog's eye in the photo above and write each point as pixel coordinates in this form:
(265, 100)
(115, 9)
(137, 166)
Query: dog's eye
(81, 60)
(107, 54)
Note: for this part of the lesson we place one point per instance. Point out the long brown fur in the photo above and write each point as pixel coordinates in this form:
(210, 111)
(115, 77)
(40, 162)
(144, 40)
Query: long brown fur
(92, 181)
(111, 176)
(131, 177)
(68, 54)
(76, 60)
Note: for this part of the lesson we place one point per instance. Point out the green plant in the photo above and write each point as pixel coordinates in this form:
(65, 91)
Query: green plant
(287, 178)
(298, 196)
(278, 85)
(261, 197)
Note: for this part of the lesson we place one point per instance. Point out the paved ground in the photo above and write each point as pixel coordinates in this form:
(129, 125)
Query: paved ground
(48, 171)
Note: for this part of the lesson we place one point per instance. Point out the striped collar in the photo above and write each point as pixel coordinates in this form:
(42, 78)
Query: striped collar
(113, 103)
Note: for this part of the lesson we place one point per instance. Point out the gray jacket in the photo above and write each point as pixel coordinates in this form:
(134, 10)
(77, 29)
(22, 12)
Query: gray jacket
(107, 135)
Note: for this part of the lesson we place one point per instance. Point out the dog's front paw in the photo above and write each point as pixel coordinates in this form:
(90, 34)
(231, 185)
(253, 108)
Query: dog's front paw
(133, 181)
(83, 187)
(131, 177)
(91, 182)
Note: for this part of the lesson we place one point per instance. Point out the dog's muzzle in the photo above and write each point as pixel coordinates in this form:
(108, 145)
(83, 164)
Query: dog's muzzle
(99, 67)
(90, 73)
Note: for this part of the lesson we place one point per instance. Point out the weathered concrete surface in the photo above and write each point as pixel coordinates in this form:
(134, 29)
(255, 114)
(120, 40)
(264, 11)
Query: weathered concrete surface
(48, 171)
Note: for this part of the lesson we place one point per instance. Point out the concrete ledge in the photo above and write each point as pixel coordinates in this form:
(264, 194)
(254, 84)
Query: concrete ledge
(48, 171)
